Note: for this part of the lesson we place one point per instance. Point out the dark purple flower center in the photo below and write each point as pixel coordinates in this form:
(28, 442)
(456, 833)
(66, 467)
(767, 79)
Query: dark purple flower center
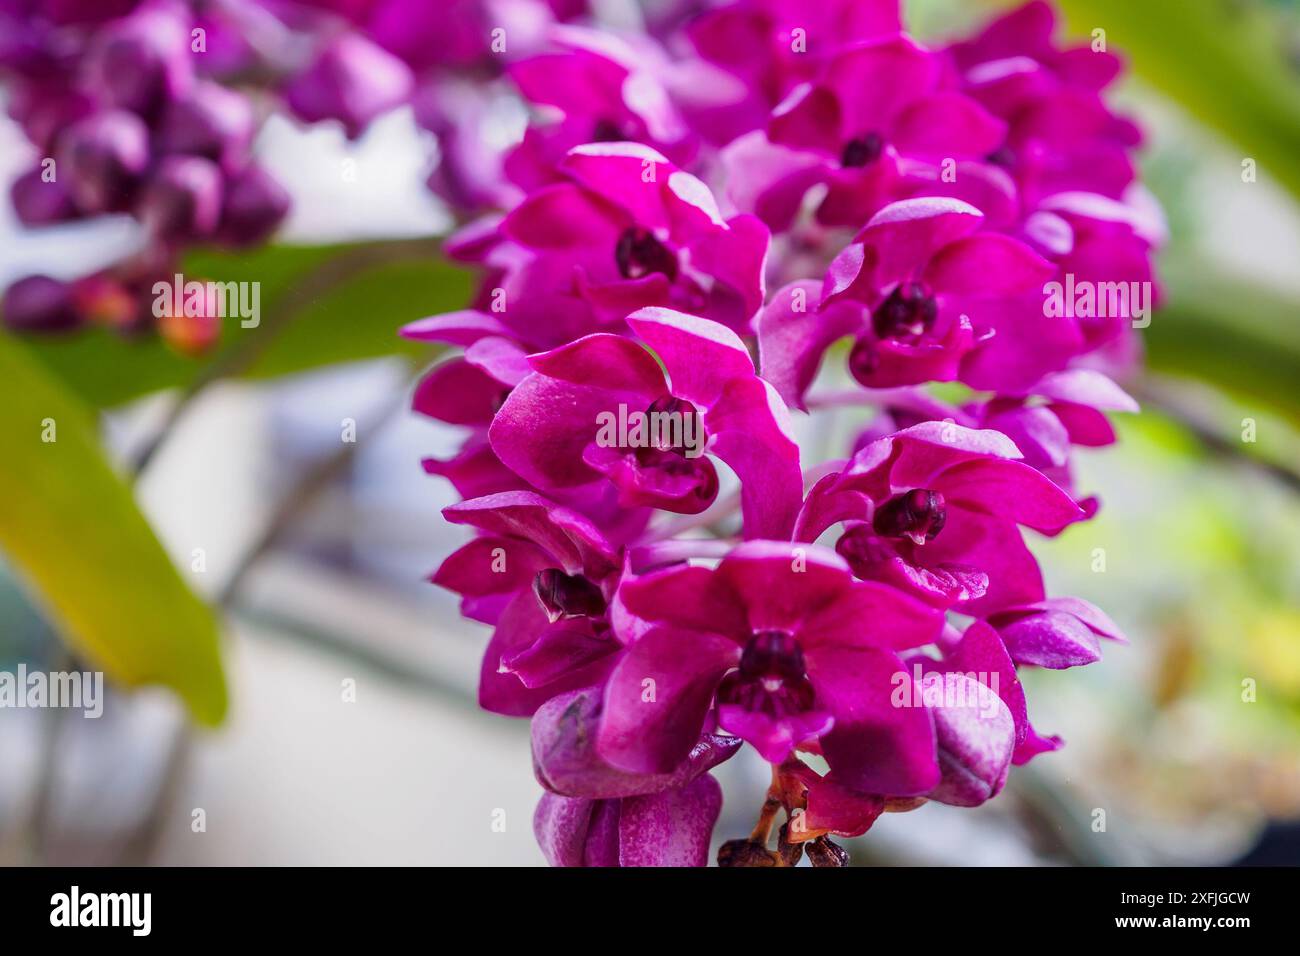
(607, 131)
(639, 253)
(862, 150)
(771, 678)
(702, 477)
(1002, 156)
(567, 595)
(674, 425)
(908, 313)
(918, 514)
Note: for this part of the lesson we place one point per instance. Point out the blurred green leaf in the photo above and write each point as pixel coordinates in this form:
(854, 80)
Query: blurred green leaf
(1230, 63)
(1236, 334)
(319, 305)
(69, 525)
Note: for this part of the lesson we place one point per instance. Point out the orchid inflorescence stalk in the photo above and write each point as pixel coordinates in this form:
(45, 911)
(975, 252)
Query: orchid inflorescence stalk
(666, 579)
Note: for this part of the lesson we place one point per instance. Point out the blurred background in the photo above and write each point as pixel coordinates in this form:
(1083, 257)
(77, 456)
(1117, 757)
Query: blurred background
(353, 736)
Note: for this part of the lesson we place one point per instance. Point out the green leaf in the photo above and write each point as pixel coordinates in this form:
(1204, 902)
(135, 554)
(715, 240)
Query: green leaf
(1236, 334)
(1228, 63)
(70, 527)
(319, 305)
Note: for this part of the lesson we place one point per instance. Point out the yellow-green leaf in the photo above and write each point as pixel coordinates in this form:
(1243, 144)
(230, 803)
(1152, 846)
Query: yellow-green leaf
(70, 526)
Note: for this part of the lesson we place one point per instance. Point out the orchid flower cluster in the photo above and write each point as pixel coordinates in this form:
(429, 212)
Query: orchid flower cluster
(666, 578)
(150, 108)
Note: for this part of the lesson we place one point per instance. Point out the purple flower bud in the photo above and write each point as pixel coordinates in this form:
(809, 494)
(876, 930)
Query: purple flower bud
(255, 204)
(143, 61)
(39, 304)
(352, 81)
(212, 122)
(182, 199)
(102, 158)
(38, 202)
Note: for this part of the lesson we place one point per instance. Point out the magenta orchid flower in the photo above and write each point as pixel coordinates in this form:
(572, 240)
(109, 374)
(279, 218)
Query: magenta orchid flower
(1062, 136)
(933, 510)
(772, 46)
(602, 406)
(873, 120)
(606, 90)
(940, 291)
(544, 576)
(628, 229)
(774, 638)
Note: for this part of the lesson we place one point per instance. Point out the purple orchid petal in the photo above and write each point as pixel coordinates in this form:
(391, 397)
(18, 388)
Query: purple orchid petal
(562, 825)
(563, 216)
(562, 648)
(1037, 431)
(657, 697)
(686, 598)
(831, 806)
(521, 624)
(700, 356)
(875, 746)
(874, 81)
(793, 335)
(672, 828)
(750, 430)
(491, 565)
(987, 264)
(566, 762)
(543, 428)
(454, 328)
(826, 504)
(1033, 745)
(809, 119)
(904, 235)
(617, 173)
(775, 738)
(501, 358)
(572, 540)
(904, 565)
(459, 393)
(947, 124)
(780, 584)
(994, 546)
(1082, 386)
(604, 361)
(976, 738)
(352, 80)
(1050, 639)
(866, 613)
(981, 653)
(736, 257)
(1010, 490)
(770, 180)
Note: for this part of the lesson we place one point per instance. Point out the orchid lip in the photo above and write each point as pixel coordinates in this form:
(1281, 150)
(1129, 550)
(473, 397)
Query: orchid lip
(639, 253)
(771, 678)
(567, 595)
(919, 515)
(908, 313)
(862, 150)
